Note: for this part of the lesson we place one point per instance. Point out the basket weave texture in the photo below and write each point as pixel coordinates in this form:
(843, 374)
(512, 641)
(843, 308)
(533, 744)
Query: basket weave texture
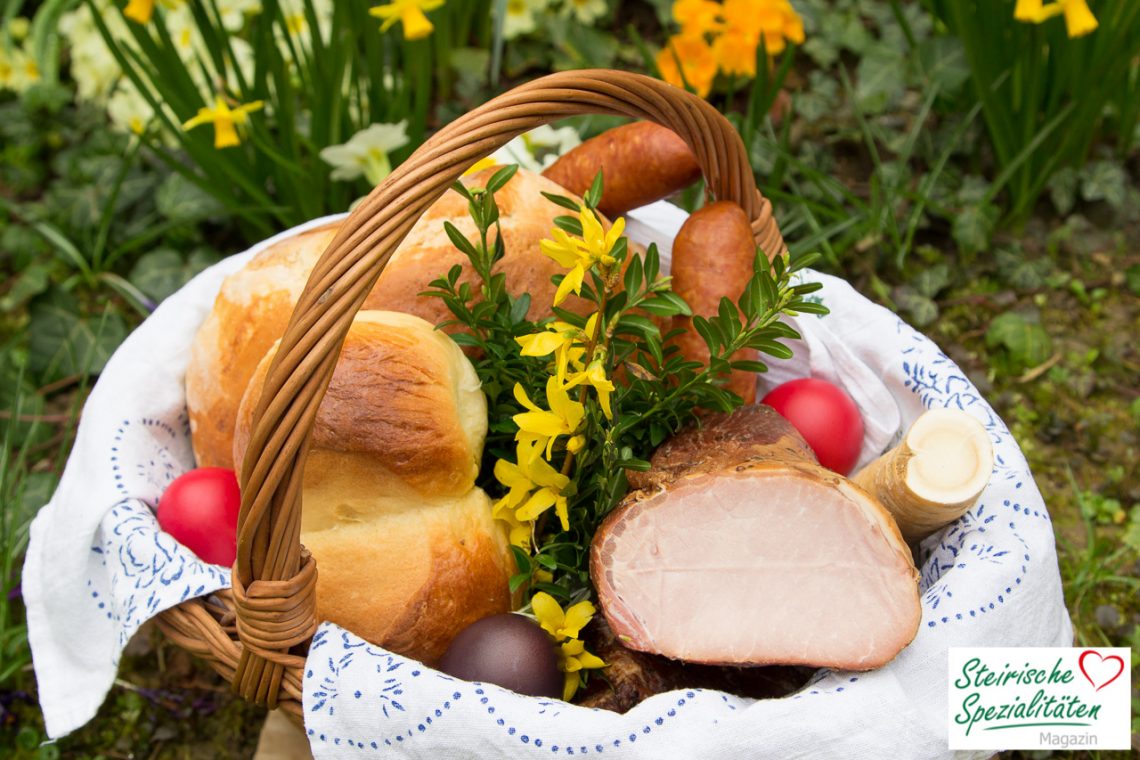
(256, 633)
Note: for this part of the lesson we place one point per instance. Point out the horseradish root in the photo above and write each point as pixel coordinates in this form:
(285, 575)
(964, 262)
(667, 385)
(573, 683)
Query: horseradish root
(934, 475)
(741, 550)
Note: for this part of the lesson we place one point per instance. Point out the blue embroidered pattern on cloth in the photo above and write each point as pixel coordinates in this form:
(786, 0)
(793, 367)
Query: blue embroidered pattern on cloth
(151, 571)
(348, 673)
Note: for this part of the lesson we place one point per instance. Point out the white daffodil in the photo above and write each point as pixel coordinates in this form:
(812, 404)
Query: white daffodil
(183, 29)
(243, 59)
(93, 66)
(297, 22)
(366, 153)
(519, 17)
(234, 12)
(128, 110)
(18, 70)
(586, 11)
(538, 148)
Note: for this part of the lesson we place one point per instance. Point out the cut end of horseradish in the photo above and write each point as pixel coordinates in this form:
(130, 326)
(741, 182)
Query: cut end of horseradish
(951, 457)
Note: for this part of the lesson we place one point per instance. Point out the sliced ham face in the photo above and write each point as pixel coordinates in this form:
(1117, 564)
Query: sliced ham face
(759, 563)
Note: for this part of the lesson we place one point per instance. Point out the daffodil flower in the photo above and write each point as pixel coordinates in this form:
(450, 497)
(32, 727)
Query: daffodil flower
(366, 152)
(518, 17)
(141, 11)
(226, 120)
(579, 254)
(545, 427)
(534, 486)
(585, 11)
(410, 13)
(1079, 20)
(564, 627)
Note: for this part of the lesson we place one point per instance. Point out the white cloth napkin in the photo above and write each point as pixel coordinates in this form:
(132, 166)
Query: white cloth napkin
(97, 567)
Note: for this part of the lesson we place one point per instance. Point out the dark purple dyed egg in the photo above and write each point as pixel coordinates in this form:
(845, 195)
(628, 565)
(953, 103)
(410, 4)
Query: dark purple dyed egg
(508, 650)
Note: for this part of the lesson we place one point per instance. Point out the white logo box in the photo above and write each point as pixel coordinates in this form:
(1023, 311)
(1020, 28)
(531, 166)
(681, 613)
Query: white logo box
(1003, 698)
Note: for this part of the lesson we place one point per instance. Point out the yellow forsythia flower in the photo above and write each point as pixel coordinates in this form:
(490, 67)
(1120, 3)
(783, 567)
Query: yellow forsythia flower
(564, 627)
(534, 487)
(595, 376)
(1079, 20)
(545, 427)
(226, 120)
(561, 339)
(579, 254)
(411, 13)
(480, 165)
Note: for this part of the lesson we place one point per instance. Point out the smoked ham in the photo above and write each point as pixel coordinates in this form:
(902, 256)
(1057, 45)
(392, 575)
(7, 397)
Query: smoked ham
(740, 549)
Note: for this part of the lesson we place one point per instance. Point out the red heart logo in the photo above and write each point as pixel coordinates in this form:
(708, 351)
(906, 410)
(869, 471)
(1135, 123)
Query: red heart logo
(1100, 670)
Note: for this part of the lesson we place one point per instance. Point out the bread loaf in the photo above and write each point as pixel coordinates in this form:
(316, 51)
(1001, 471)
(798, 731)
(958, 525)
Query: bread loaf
(407, 551)
(254, 304)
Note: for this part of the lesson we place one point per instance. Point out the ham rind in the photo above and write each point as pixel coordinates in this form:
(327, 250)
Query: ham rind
(756, 564)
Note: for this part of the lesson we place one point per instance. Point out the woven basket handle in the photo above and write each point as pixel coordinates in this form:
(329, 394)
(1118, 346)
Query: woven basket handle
(273, 582)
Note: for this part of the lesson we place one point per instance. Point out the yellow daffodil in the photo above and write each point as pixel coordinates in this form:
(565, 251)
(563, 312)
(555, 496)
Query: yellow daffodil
(564, 627)
(545, 427)
(534, 486)
(696, 61)
(1079, 20)
(595, 376)
(579, 254)
(226, 120)
(141, 11)
(411, 13)
(697, 17)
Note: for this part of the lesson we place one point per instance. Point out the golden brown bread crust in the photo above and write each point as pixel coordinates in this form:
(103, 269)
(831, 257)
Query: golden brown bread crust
(254, 304)
(250, 313)
(640, 162)
(403, 404)
(407, 551)
(414, 579)
(427, 254)
(713, 255)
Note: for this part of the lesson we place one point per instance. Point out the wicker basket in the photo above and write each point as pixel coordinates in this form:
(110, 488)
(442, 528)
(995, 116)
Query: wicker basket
(255, 635)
